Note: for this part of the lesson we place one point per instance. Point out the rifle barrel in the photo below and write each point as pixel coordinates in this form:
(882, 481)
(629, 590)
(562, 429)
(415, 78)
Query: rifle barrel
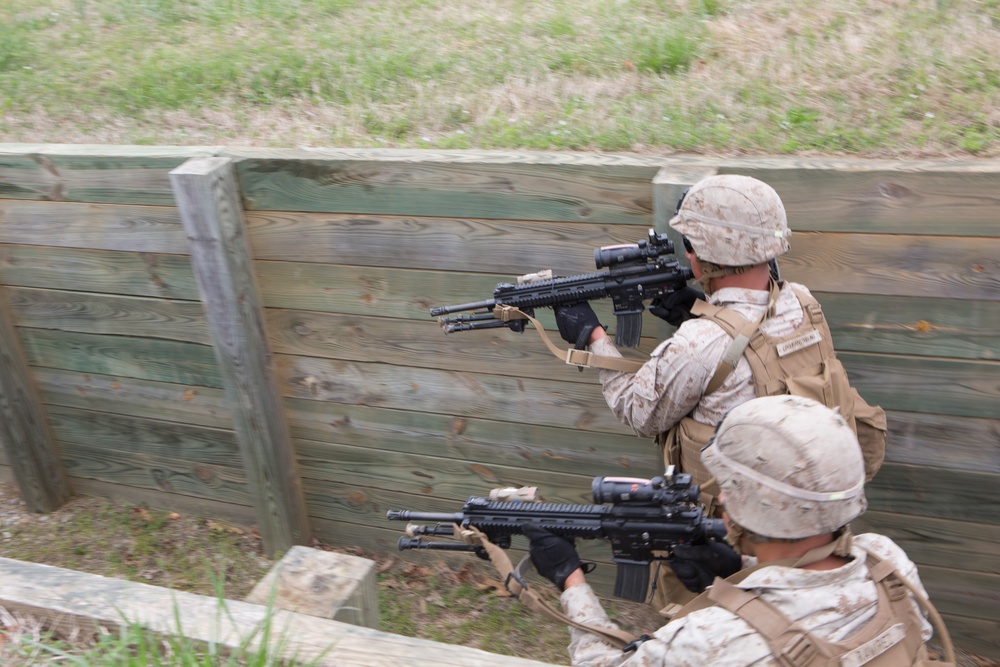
(475, 305)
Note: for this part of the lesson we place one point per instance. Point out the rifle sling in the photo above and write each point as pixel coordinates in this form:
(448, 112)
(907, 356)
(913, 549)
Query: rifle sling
(582, 358)
(513, 581)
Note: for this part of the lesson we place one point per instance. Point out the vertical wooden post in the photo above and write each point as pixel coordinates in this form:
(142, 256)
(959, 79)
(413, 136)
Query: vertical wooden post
(24, 427)
(210, 209)
(668, 184)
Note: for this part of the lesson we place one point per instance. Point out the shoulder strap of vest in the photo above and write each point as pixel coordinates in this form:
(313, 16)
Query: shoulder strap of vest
(740, 328)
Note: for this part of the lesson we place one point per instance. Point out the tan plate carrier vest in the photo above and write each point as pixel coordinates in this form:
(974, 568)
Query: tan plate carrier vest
(803, 363)
(892, 637)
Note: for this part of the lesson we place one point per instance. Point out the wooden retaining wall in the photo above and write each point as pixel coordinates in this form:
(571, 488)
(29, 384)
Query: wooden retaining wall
(351, 248)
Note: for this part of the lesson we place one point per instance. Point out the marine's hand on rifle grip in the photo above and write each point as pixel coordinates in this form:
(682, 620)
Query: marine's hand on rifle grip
(675, 308)
(697, 566)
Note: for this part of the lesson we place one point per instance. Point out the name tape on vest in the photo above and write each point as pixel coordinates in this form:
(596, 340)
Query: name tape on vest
(794, 345)
(874, 648)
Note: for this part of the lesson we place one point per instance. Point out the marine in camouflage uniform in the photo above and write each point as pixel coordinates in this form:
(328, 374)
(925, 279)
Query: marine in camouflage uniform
(792, 478)
(733, 226)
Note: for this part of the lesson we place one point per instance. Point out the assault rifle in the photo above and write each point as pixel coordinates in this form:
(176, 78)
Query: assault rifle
(644, 516)
(636, 272)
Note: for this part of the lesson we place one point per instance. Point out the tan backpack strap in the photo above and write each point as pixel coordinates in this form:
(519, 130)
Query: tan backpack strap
(582, 358)
(790, 644)
(740, 328)
(878, 568)
(513, 581)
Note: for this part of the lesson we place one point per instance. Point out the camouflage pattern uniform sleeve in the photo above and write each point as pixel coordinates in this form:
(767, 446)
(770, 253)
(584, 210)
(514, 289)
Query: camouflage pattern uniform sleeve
(670, 384)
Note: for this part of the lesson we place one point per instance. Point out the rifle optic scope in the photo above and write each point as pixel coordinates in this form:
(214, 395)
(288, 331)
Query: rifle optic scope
(634, 253)
(635, 491)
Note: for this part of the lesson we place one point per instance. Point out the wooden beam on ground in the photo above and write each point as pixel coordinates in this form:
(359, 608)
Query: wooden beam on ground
(24, 427)
(68, 599)
(209, 203)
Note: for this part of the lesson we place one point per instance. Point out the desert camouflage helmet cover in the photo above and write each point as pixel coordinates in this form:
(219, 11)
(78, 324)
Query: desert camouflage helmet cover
(788, 467)
(733, 220)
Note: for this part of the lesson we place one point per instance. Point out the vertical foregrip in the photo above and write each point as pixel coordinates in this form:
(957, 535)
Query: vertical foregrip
(629, 329)
(632, 581)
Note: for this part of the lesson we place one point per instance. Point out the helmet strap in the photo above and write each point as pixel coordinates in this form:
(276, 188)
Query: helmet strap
(711, 270)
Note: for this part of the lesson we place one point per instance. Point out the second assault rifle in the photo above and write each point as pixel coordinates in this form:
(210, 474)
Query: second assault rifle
(636, 272)
(644, 516)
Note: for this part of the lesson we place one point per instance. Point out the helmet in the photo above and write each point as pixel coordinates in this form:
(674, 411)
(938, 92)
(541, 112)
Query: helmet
(788, 467)
(733, 220)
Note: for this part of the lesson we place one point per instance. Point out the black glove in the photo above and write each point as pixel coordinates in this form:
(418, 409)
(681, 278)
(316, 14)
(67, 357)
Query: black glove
(675, 308)
(553, 556)
(576, 321)
(697, 566)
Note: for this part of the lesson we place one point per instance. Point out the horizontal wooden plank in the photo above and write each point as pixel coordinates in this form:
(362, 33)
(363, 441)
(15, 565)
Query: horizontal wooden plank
(88, 312)
(138, 274)
(546, 403)
(924, 266)
(573, 190)
(484, 441)
(423, 343)
(960, 443)
(239, 515)
(142, 358)
(913, 325)
(936, 492)
(420, 474)
(182, 403)
(71, 600)
(911, 198)
(947, 543)
(960, 592)
(975, 635)
(459, 244)
(214, 482)
(917, 384)
(487, 441)
(155, 229)
(135, 435)
(108, 174)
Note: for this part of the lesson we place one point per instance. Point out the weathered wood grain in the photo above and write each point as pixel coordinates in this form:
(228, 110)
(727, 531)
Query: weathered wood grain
(460, 244)
(913, 325)
(239, 515)
(976, 635)
(936, 492)
(70, 599)
(186, 404)
(88, 312)
(142, 358)
(546, 403)
(571, 191)
(960, 592)
(25, 436)
(136, 435)
(919, 384)
(216, 482)
(424, 343)
(209, 203)
(109, 174)
(960, 545)
(154, 229)
(942, 441)
(138, 274)
(485, 441)
(431, 475)
(939, 267)
(905, 198)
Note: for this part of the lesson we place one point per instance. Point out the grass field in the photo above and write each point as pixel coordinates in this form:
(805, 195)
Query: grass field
(887, 78)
